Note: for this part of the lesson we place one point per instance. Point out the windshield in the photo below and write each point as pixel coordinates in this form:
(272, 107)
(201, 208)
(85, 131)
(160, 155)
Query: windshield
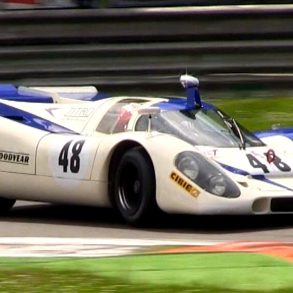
(208, 127)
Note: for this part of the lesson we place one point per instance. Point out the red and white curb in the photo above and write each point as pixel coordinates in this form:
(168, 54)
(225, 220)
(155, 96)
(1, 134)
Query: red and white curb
(79, 247)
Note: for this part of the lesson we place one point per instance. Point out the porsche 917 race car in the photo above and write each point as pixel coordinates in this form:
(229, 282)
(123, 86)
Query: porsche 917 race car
(138, 154)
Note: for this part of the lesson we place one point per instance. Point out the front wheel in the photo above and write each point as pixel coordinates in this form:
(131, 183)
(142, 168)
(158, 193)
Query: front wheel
(5, 205)
(135, 186)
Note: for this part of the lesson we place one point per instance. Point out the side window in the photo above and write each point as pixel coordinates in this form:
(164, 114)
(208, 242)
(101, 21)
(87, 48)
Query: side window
(108, 122)
(142, 123)
(117, 118)
(157, 124)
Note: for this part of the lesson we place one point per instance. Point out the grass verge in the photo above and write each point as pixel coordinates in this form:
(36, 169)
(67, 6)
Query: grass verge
(259, 113)
(198, 272)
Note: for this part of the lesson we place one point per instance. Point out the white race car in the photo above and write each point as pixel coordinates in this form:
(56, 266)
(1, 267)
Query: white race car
(137, 154)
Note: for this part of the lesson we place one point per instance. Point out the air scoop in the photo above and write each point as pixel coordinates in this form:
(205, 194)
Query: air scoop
(191, 84)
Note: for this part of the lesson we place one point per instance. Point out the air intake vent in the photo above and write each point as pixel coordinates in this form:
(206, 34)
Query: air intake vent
(282, 205)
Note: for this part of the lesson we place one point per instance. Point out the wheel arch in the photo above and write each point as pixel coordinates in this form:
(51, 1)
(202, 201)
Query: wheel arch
(117, 153)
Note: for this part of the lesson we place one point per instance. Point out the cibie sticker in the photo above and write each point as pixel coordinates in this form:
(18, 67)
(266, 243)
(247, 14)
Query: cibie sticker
(184, 184)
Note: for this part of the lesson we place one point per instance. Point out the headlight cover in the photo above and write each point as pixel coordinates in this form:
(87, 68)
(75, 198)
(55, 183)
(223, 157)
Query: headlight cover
(206, 175)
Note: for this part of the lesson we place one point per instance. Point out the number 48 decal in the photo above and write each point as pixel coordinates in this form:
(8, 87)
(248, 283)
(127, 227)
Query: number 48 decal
(71, 159)
(255, 163)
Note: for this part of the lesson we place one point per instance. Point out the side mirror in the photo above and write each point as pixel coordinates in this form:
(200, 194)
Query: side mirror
(191, 84)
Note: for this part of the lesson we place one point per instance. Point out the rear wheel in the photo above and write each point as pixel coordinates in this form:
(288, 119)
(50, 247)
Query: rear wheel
(134, 186)
(6, 204)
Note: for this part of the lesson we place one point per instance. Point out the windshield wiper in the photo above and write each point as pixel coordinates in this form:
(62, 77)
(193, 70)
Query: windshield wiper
(239, 133)
(233, 125)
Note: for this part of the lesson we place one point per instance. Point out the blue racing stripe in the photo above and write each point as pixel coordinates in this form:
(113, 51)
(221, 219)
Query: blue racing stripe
(288, 132)
(32, 120)
(179, 104)
(256, 177)
(264, 179)
(234, 170)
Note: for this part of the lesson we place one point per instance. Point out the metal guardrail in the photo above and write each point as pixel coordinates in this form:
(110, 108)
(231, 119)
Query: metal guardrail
(224, 46)
(162, 3)
(48, 4)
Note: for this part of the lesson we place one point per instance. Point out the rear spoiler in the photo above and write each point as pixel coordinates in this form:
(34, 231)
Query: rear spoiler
(86, 93)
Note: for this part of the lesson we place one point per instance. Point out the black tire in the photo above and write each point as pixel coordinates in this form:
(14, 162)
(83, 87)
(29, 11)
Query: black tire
(5, 205)
(134, 187)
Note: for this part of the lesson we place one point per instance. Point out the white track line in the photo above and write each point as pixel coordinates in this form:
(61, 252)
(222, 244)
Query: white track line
(101, 241)
(79, 247)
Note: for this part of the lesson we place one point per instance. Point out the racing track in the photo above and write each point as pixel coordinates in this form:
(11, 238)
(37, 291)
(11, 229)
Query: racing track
(42, 220)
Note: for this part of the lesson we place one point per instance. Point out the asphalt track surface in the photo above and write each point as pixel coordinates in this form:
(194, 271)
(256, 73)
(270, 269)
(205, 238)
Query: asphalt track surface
(44, 220)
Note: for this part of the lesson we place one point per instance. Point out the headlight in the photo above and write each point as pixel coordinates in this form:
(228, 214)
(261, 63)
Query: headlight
(206, 175)
(217, 185)
(189, 167)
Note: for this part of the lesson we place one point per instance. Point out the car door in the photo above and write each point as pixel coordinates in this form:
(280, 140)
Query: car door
(66, 156)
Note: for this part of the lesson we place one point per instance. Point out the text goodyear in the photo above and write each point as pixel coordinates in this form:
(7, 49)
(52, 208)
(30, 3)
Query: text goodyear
(184, 184)
(16, 158)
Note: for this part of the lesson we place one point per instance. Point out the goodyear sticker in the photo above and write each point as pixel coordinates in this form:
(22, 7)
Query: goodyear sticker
(16, 158)
(184, 184)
